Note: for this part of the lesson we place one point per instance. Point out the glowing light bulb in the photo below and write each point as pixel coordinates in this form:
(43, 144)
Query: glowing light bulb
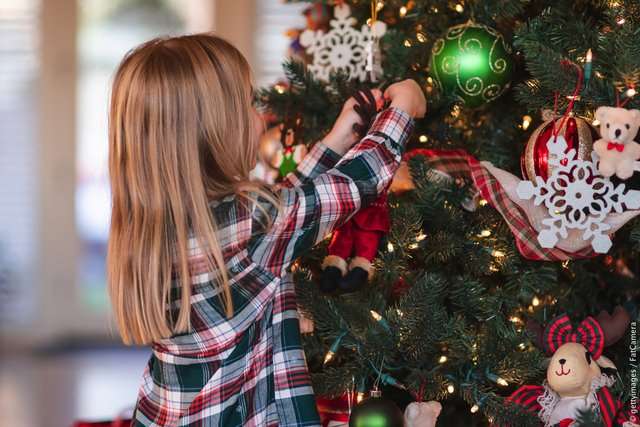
(497, 253)
(413, 246)
(442, 359)
(502, 382)
(379, 5)
(535, 301)
(376, 316)
(526, 122)
(621, 21)
(407, 43)
(359, 397)
(515, 319)
(474, 409)
(279, 88)
(485, 233)
(403, 11)
(483, 202)
(451, 389)
(423, 138)
(421, 237)
(459, 8)
(631, 92)
(522, 346)
(390, 247)
(421, 37)
(329, 357)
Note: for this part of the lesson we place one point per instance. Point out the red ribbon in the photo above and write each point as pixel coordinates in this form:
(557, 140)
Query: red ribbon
(572, 100)
(566, 422)
(615, 146)
(588, 333)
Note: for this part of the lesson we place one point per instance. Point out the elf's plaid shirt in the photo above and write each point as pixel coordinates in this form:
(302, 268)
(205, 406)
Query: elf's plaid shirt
(250, 369)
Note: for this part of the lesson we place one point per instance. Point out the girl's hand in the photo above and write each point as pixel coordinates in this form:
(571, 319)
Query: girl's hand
(342, 137)
(408, 97)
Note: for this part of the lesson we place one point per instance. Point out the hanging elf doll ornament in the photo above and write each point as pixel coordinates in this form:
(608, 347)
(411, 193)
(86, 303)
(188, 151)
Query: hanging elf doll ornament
(357, 239)
(293, 150)
(471, 63)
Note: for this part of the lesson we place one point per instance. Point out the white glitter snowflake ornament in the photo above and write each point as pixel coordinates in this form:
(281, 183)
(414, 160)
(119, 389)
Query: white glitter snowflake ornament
(576, 197)
(343, 48)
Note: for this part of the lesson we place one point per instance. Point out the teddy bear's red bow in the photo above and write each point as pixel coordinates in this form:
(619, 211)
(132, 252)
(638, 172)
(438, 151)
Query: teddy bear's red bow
(588, 333)
(615, 146)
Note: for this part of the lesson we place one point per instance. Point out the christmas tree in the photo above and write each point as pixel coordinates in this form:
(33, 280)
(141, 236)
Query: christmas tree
(456, 279)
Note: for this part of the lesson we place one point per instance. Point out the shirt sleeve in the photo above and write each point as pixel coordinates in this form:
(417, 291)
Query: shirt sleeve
(318, 161)
(310, 211)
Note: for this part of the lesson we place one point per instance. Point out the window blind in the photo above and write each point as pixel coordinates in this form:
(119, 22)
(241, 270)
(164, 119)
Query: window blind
(274, 18)
(18, 159)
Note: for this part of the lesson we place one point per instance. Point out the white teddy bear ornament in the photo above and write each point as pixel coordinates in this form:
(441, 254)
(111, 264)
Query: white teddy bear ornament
(616, 149)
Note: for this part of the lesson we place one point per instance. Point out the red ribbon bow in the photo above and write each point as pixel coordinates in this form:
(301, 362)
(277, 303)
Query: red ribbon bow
(615, 146)
(589, 333)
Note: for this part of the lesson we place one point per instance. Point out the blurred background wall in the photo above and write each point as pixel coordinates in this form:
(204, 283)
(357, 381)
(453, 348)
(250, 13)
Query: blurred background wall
(59, 352)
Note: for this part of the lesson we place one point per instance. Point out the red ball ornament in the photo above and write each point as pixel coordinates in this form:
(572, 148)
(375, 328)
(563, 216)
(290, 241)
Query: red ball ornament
(576, 131)
(400, 287)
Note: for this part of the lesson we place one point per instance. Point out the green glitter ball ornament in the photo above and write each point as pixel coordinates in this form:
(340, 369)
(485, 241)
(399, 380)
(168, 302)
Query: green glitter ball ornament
(376, 411)
(471, 63)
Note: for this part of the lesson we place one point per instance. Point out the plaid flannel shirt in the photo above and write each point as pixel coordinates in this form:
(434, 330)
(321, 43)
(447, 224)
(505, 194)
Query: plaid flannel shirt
(250, 369)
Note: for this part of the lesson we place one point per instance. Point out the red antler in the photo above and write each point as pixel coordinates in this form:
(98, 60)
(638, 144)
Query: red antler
(614, 325)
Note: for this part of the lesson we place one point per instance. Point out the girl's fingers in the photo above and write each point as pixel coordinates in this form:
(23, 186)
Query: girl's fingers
(359, 130)
(379, 98)
(359, 97)
(370, 97)
(360, 110)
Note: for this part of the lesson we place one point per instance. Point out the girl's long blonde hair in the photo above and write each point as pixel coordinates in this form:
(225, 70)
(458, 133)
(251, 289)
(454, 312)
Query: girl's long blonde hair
(181, 133)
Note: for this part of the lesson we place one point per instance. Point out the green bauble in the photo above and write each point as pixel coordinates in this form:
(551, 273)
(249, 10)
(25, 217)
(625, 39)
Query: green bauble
(376, 412)
(472, 63)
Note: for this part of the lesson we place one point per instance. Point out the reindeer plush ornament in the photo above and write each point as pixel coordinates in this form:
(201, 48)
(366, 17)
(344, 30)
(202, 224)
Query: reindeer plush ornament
(578, 375)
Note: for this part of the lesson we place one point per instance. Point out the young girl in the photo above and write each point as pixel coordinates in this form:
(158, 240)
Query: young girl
(198, 255)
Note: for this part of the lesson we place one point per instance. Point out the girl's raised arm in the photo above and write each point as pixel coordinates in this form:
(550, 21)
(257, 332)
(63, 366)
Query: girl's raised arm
(313, 209)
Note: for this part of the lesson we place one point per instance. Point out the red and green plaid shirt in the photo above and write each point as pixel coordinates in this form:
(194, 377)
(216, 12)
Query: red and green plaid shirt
(250, 369)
